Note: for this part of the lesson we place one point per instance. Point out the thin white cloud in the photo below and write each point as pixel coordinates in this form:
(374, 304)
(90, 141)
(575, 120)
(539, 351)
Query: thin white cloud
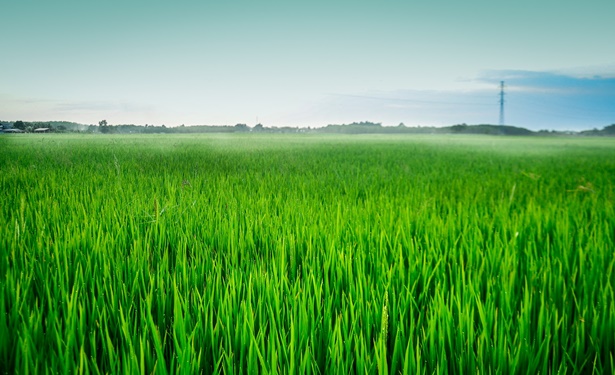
(98, 106)
(551, 82)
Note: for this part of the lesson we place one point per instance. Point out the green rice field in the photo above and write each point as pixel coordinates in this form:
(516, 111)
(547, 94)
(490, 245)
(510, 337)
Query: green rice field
(303, 253)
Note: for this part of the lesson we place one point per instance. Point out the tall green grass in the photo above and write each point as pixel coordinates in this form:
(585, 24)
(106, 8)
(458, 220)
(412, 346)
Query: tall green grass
(306, 254)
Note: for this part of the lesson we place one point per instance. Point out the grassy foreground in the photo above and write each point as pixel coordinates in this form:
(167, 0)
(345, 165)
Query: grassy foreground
(306, 254)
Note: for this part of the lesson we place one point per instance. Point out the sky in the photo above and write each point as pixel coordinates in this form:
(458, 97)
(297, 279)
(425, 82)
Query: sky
(309, 63)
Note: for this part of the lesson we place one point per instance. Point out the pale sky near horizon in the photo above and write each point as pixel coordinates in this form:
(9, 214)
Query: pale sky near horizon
(308, 63)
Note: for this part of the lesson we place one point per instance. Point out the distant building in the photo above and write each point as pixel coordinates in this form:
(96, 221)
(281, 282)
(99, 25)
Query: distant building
(6, 125)
(11, 131)
(42, 130)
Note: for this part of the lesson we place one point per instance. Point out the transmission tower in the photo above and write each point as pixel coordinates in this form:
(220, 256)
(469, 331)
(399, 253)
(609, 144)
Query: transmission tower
(501, 102)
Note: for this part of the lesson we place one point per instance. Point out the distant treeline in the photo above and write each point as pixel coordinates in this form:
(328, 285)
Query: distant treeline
(370, 127)
(364, 127)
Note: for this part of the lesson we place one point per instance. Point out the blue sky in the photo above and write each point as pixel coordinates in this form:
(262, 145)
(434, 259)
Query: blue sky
(302, 63)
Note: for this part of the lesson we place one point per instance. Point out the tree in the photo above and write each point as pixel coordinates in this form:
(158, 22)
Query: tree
(241, 128)
(19, 125)
(103, 127)
(609, 129)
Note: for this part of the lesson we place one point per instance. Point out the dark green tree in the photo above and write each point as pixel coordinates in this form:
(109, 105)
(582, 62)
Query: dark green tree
(610, 130)
(241, 128)
(103, 127)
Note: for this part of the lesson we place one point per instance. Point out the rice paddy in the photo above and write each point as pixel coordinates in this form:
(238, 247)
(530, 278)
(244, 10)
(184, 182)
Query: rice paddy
(307, 254)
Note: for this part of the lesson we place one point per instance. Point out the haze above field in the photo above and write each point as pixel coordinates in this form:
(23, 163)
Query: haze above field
(308, 63)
